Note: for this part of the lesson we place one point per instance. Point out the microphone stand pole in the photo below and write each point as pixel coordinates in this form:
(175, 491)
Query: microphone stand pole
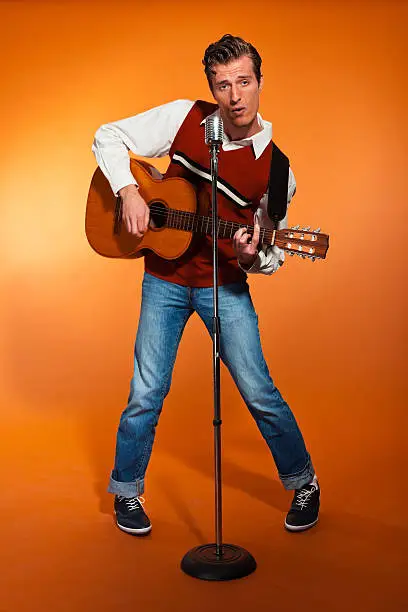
(216, 355)
(217, 561)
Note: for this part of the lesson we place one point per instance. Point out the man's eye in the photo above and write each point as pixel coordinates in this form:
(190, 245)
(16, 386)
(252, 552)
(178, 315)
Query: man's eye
(244, 82)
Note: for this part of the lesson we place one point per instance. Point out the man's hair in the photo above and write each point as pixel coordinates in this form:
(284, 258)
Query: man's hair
(229, 48)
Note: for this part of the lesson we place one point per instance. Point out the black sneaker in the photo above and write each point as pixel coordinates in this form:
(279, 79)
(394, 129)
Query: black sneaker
(130, 516)
(304, 511)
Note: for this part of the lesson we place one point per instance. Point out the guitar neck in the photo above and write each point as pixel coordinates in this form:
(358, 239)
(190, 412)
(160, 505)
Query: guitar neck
(199, 224)
(294, 240)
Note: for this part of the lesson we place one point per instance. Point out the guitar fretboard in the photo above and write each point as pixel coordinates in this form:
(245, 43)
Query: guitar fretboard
(179, 219)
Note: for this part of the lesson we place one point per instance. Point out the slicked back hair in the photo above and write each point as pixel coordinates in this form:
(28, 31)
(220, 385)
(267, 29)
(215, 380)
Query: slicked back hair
(229, 48)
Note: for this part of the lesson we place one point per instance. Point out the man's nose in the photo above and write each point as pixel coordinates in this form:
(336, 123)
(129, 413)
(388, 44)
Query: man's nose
(235, 95)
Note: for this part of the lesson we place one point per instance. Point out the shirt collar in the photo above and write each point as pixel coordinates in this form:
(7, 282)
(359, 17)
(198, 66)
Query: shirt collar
(259, 141)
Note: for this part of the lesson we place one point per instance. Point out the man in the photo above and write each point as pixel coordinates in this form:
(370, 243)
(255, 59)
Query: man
(173, 290)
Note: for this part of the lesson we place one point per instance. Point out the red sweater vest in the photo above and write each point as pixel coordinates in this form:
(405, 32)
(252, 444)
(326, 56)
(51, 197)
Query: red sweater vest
(242, 181)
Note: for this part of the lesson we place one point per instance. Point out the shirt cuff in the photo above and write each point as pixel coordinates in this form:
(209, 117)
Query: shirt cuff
(116, 187)
(266, 263)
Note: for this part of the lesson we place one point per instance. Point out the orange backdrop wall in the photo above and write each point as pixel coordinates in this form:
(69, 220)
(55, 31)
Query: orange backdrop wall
(333, 332)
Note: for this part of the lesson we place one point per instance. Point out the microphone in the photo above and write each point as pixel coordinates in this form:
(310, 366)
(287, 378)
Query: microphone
(213, 130)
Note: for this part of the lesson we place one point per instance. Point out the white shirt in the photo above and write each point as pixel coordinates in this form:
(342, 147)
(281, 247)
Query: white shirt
(151, 134)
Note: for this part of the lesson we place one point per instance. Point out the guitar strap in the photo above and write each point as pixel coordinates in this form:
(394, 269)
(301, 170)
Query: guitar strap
(278, 185)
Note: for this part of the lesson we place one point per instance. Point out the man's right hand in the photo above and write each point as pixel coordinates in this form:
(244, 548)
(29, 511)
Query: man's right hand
(135, 212)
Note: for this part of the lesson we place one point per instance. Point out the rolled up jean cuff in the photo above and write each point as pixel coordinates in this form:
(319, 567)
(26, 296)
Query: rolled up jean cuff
(298, 479)
(126, 489)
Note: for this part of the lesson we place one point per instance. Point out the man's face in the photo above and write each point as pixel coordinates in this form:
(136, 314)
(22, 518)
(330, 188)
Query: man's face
(236, 90)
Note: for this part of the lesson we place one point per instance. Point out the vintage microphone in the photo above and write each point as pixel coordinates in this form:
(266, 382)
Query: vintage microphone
(217, 561)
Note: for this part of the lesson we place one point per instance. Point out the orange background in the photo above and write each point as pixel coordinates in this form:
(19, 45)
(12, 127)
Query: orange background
(333, 332)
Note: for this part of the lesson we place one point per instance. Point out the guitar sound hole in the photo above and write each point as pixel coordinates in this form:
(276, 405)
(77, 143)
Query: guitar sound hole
(158, 214)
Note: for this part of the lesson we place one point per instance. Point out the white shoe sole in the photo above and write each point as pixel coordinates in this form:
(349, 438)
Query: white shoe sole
(300, 527)
(142, 531)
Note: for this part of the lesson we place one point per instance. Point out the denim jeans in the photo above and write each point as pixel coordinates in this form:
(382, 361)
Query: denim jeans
(165, 310)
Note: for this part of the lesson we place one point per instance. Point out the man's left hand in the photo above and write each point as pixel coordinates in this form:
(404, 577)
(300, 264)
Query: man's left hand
(246, 246)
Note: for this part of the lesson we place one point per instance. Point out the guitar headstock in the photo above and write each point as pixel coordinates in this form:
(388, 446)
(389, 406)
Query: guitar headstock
(303, 241)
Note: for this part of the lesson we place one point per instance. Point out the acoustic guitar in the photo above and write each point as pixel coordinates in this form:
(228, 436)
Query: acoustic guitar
(176, 213)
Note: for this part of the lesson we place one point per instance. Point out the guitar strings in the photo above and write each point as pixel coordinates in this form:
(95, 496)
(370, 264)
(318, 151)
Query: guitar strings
(194, 219)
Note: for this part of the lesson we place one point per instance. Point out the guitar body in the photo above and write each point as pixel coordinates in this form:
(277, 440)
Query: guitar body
(103, 215)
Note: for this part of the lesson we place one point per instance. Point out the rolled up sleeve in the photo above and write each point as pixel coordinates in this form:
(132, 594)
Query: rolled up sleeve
(148, 134)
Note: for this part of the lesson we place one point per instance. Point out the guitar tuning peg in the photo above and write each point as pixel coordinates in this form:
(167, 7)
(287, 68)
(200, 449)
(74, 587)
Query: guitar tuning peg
(307, 228)
(313, 259)
(290, 253)
(295, 227)
(316, 231)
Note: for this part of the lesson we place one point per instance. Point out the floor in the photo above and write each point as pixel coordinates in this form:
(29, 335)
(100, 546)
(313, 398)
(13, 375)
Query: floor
(63, 552)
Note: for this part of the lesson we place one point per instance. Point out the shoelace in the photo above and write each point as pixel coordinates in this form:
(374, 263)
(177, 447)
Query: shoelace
(303, 497)
(133, 503)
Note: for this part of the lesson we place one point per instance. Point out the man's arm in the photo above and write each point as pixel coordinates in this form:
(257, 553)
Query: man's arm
(149, 134)
(265, 260)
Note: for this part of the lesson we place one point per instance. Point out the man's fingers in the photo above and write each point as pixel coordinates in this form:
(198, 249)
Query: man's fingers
(140, 226)
(135, 214)
(131, 225)
(238, 234)
(128, 224)
(246, 244)
(255, 237)
(143, 221)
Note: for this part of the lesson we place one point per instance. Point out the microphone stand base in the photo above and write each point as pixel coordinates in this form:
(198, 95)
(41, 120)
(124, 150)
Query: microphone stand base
(203, 562)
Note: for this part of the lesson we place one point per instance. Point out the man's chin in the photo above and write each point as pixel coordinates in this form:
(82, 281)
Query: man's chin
(240, 120)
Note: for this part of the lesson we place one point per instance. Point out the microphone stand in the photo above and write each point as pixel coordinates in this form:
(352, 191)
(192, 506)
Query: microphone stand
(217, 561)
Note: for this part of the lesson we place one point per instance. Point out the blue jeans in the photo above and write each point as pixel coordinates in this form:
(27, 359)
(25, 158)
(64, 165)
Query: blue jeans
(166, 308)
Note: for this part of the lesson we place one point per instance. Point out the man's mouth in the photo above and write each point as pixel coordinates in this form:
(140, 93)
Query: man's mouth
(238, 111)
